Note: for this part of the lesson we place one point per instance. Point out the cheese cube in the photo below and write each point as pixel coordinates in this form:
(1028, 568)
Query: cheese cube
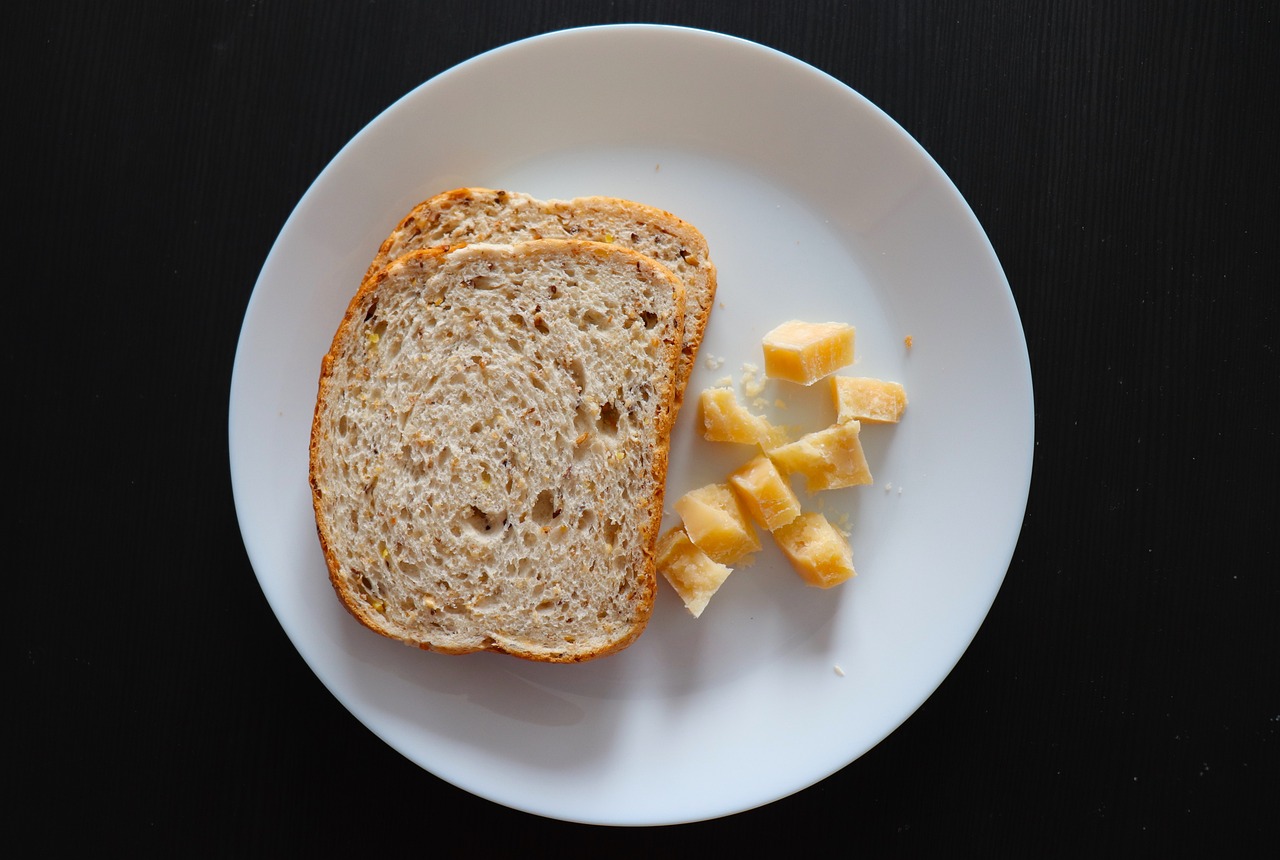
(715, 522)
(765, 493)
(828, 459)
(859, 398)
(724, 419)
(817, 550)
(691, 572)
(805, 352)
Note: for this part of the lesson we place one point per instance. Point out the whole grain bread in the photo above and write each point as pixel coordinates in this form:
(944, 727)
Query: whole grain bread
(467, 215)
(489, 447)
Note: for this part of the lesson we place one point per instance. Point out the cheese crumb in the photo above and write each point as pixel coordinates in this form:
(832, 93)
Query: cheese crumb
(752, 384)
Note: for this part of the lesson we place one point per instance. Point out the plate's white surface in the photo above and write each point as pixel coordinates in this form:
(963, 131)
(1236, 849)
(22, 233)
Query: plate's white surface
(815, 205)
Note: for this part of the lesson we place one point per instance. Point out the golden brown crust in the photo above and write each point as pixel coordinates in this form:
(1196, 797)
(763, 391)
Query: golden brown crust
(478, 214)
(643, 586)
(690, 260)
(358, 610)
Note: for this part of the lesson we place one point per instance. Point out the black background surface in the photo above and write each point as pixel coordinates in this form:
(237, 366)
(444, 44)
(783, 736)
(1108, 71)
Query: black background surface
(1122, 695)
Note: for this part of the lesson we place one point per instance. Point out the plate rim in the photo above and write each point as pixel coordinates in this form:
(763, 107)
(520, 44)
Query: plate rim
(238, 375)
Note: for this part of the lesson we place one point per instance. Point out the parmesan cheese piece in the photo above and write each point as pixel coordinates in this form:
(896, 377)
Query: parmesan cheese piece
(828, 459)
(724, 419)
(765, 493)
(805, 352)
(860, 398)
(689, 570)
(819, 553)
(716, 523)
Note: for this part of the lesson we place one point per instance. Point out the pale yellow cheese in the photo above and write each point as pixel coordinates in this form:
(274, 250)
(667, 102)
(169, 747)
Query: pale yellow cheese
(691, 572)
(716, 523)
(805, 352)
(817, 550)
(724, 419)
(828, 459)
(765, 493)
(859, 398)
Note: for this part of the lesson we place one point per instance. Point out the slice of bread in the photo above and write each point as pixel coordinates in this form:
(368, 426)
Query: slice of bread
(489, 447)
(467, 215)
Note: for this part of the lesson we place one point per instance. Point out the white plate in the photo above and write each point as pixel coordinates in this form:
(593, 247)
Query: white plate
(815, 205)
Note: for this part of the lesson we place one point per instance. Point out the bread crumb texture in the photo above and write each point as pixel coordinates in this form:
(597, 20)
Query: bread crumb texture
(486, 215)
(489, 447)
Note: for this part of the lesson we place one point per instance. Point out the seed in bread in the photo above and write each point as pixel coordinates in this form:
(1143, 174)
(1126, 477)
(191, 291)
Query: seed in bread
(468, 215)
(489, 447)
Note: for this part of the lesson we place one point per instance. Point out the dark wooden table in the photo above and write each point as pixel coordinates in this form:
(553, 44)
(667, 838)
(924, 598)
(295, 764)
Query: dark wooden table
(1123, 695)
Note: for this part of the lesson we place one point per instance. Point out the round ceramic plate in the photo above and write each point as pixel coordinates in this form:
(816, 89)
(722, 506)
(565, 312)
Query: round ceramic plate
(816, 206)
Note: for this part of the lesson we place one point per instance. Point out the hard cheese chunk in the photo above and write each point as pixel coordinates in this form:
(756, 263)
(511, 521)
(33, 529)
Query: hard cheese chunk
(724, 419)
(805, 352)
(765, 493)
(817, 550)
(828, 459)
(859, 398)
(716, 523)
(691, 572)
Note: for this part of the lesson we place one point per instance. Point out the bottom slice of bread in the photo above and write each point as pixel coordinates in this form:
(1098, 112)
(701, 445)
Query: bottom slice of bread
(489, 447)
